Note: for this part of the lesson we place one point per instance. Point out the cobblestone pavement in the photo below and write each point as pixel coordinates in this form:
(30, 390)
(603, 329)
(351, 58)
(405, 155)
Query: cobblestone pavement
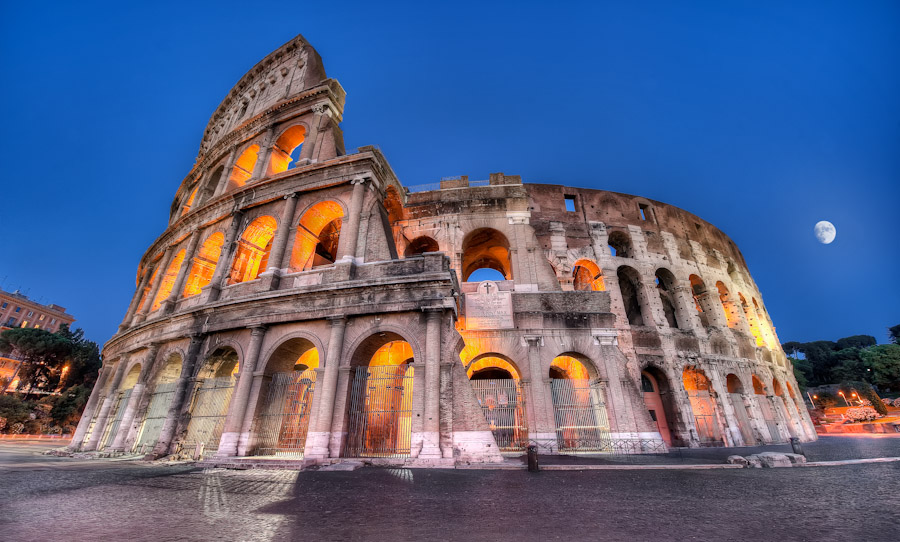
(137, 501)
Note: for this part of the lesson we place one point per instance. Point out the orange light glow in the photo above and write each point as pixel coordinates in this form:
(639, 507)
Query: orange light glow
(588, 277)
(281, 159)
(190, 201)
(243, 167)
(252, 254)
(204, 264)
(392, 353)
(570, 368)
(317, 236)
(493, 362)
(168, 280)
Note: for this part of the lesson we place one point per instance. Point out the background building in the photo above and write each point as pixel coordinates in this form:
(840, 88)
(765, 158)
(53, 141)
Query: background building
(304, 302)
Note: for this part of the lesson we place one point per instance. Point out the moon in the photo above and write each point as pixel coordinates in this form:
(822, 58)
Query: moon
(825, 232)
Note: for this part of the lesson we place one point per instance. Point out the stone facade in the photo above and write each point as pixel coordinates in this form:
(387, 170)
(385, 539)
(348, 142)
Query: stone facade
(302, 302)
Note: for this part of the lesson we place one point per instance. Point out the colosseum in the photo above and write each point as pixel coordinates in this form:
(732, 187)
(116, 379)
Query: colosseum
(304, 304)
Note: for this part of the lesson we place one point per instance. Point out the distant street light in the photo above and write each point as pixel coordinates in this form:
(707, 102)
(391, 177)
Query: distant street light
(844, 397)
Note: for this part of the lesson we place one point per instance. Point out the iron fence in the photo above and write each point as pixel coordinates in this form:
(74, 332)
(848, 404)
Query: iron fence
(282, 426)
(112, 428)
(210, 405)
(157, 410)
(503, 405)
(380, 414)
(580, 410)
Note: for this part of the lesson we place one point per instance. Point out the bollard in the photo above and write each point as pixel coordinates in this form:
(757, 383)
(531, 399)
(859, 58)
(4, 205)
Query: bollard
(532, 458)
(797, 447)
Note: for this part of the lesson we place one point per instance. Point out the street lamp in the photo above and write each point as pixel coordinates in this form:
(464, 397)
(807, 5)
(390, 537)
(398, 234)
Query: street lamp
(844, 397)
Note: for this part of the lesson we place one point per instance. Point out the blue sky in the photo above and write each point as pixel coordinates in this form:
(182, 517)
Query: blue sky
(759, 117)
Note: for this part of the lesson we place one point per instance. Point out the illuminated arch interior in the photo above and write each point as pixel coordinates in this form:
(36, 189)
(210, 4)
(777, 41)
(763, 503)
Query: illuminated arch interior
(752, 322)
(776, 387)
(421, 245)
(695, 380)
(758, 387)
(731, 316)
(567, 367)
(204, 264)
(131, 378)
(147, 288)
(168, 280)
(486, 248)
(734, 384)
(190, 201)
(492, 367)
(588, 277)
(297, 354)
(286, 149)
(252, 254)
(318, 234)
(243, 167)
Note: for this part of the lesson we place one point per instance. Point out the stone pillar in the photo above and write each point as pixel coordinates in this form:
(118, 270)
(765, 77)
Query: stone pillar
(712, 308)
(319, 435)
(262, 158)
(141, 290)
(137, 393)
(309, 142)
(247, 440)
(226, 173)
(167, 433)
(169, 304)
(223, 266)
(154, 288)
(732, 434)
(234, 420)
(544, 428)
(431, 433)
(688, 317)
(89, 409)
(103, 416)
(350, 233)
(279, 243)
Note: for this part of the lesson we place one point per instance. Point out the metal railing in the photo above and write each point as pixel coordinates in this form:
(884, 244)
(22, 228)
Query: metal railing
(155, 417)
(580, 410)
(112, 428)
(380, 415)
(282, 426)
(208, 412)
(502, 402)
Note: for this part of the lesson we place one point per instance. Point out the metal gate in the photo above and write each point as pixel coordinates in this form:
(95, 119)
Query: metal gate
(707, 422)
(208, 412)
(90, 429)
(153, 422)
(502, 401)
(742, 418)
(581, 420)
(769, 417)
(284, 419)
(112, 427)
(380, 423)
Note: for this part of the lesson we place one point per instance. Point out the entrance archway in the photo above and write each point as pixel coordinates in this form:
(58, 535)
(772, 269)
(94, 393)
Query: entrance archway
(658, 400)
(703, 406)
(158, 408)
(579, 406)
(736, 395)
(212, 395)
(381, 395)
(283, 421)
(498, 388)
(765, 405)
(123, 395)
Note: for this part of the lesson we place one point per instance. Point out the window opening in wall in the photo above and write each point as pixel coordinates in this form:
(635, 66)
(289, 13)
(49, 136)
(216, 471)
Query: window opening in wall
(4, 305)
(485, 248)
(699, 228)
(570, 204)
(644, 211)
(619, 244)
(18, 309)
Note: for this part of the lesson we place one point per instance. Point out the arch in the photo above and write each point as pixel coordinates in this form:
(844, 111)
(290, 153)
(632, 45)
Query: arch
(620, 244)
(659, 401)
(742, 417)
(758, 387)
(421, 245)
(243, 167)
(734, 383)
(285, 148)
(210, 184)
(317, 237)
(630, 288)
(293, 354)
(572, 367)
(212, 396)
(579, 405)
(496, 382)
(700, 394)
(752, 322)
(765, 330)
(587, 276)
(168, 281)
(189, 202)
(252, 254)
(489, 365)
(171, 369)
(767, 407)
(222, 362)
(486, 248)
(131, 377)
(204, 265)
(776, 388)
(698, 289)
(731, 316)
(665, 287)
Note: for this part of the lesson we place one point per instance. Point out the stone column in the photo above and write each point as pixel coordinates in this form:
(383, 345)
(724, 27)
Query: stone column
(259, 386)
(141, 290)
(134, 401)
(226, 173)
(179, 395)
(262, 157)
(309, 142)
(234, 420)
(350, 233)
(545, 429)
(223, 265)
(102, 417)
(688, 317)
(154, 288)
(733, 435)
(279, 243)
(319, 435)
(431, 442)
(712, 308)
(169, 304)
(89, 409)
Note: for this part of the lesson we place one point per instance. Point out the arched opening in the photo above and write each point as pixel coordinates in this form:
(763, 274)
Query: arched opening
(243, 167)
(421, 245)
(212, 395)
(659, 401)
(318, 234)
(117, 412)
(168, 280)
(587, 277)
(210, 185)
(252, 255)
(731, 316)
(579, 406)
(698, 289)
(665, 286)
(703, 406)
(158, 408)
(496, 383)
(738, 403)
(765, 330)
(486, 248)
(380, 407)
(286, 151)
(780, 403)
(189, 202)
(147, 288)
(286, 403)
(620, 244)
(752, 322)
(767, 409)
(204, 265)
(630, 286)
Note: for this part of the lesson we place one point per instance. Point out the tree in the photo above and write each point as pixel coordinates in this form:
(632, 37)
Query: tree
(43, 355)
(856, 341)
(802, 372)
(884, 360)
(894, 332)
(84, 360)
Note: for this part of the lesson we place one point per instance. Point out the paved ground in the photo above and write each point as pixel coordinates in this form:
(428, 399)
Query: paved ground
(45, 498)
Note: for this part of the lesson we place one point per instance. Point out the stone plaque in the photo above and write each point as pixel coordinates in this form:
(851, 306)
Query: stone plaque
(489, 308)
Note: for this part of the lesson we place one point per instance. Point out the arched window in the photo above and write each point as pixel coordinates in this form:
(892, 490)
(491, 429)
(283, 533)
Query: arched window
(765, 330)
(168, 281)
(252, 255)
(204, 264)
(190, 201)
(731, 316)
(421, 245)
(665, 286)
(486, 248)
(620, 244)
(698, 288)
(286, 150)
(658, 400)
(703, 405)
(630, 285)
(318, 235)
(750, 314)
(210, 185)
(148, 288)
(243, 167)
(587, 277)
